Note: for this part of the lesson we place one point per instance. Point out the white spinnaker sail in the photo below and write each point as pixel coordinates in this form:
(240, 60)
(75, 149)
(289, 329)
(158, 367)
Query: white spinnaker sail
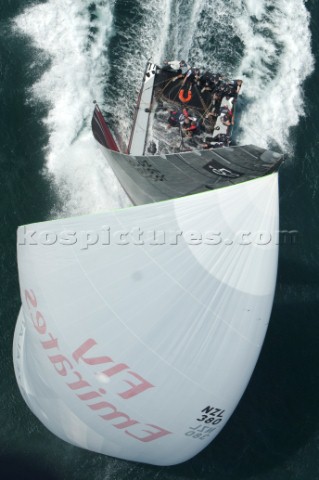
(142, 351)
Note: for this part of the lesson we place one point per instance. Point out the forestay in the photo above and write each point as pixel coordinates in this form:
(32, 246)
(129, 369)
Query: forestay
(140, 328)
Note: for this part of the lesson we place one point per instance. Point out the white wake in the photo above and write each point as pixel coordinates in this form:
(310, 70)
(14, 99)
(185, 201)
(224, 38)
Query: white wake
(280, 37)
(76, 46)
(267, 43)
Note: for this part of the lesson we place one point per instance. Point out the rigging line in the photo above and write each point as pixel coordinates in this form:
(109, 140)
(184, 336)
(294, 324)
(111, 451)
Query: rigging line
(161, 91)
(201, 100)
(182, 139)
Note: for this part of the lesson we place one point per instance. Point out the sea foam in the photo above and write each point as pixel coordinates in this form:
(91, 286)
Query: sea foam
(256, 41)
(277, 59)
(76, 43)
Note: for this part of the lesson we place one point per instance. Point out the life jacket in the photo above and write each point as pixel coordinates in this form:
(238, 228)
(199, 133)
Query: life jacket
(185, 95)
(173, 118)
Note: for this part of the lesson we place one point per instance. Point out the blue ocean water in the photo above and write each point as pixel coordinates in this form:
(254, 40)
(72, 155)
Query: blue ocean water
(56, 57)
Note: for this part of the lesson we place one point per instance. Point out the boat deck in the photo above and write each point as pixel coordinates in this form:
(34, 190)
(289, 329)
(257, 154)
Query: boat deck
(163, 160)
(139, 132)
(182, 111)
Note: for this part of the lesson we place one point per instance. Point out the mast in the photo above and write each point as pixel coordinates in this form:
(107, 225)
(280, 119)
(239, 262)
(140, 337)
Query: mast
(143, 108)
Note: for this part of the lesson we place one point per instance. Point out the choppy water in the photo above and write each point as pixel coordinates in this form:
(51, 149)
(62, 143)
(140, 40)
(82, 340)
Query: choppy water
(56, 57)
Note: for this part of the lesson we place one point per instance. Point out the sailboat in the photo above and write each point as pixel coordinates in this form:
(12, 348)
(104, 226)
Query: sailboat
(140, 328)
